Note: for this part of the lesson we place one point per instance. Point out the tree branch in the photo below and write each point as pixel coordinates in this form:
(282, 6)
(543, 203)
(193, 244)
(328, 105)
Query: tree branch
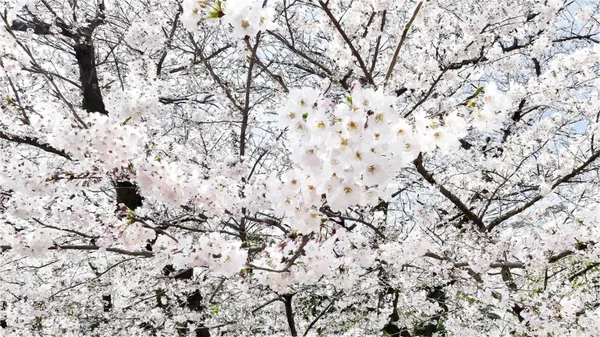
(454, 199)
(35, 143)
(169, 41)
(92, 247)
(290, 262)
(339, 28)
(539, 197)
(289, 313)
(246, 109)
(401, 42)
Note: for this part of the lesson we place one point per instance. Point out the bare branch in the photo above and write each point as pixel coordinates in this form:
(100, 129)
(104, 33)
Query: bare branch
(35, 143)
(539, 197)
(93, 247)
(402, 39)
(340, 30)
(449, 195)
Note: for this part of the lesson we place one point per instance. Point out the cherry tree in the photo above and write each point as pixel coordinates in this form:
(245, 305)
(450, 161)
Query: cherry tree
(299, 168)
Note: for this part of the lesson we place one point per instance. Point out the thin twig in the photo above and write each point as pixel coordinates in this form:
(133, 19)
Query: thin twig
(339, 28)
(290, 262)
(539, 197)
(402, 39)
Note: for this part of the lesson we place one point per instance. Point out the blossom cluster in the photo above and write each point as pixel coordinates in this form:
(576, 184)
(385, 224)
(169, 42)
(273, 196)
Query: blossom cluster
(246, 17)
(33, 243)
(277, 221)
(324, 258)
(111, 143)
(135, 236)
(221, 255)
(145, 34)
(348, 153)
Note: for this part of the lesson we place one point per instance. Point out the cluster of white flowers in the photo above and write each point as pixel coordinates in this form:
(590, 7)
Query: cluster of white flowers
(175, 184)
(223, 256)
(133, 104)
(246, 17)
(135, 236)
(347, 154)
(164, 181)
(112, 143)
(32, 243)
(146, 34)
(324, 258)
(493, 112)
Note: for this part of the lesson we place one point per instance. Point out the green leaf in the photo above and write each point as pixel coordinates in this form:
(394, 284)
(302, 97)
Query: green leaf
(215, 308)
(441, 327)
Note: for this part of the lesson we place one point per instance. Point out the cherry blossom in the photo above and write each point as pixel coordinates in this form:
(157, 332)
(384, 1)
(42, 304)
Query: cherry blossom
(299, 168)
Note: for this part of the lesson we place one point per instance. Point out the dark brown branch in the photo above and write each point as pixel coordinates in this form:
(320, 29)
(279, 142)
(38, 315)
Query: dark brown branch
(335, 297)
(340, 30)
(49, 78)
(370, 225)
(40, 28)
(270, 222)
(169, 40)
(276, 78)
(36, 70)
(291, 261)
(86, 60)
(424, 98)
(289, 313)
(265, 304)
(209, 57)
(539, 197)
(401, 42)
(34, 142)
(583, 271)
(214, 75)
(65, 230)
(92, 247)
(588, 37)
(246, 109)
(300, 53)
(262, 155)
(559, 256)
(503, 264)
(454, 199)
(98, 275)
(378, 43)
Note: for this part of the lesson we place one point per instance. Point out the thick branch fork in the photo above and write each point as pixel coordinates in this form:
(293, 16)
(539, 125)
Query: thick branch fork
(449, 195)
(539, 197)
(477, 220)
